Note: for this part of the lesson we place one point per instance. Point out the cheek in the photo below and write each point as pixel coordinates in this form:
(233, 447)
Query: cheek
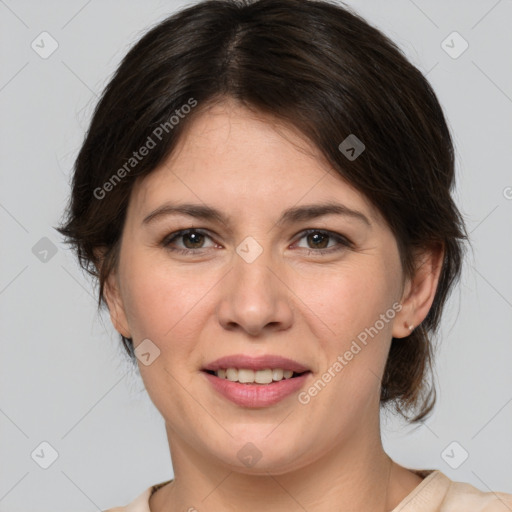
(358, 303)
(348, 299)
(162, 302)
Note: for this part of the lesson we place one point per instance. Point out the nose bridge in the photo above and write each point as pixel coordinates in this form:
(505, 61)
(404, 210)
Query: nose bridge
(252, 268)
(252, 275)
(254, 296)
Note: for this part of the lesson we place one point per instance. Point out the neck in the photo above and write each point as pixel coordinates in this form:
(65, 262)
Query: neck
(356, 476)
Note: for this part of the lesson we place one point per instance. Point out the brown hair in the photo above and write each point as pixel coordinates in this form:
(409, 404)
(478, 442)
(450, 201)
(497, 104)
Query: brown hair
(324, 70)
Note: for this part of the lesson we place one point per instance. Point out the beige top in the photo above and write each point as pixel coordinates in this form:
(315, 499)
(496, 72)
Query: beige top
(436, 493)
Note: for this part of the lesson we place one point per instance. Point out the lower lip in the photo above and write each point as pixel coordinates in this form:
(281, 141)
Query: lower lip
(256, 395)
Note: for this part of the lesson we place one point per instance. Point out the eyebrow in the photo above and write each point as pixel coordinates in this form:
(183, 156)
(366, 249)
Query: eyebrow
(289, 216)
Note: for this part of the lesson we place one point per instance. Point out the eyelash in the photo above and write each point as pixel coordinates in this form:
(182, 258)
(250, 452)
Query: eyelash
(343, 241)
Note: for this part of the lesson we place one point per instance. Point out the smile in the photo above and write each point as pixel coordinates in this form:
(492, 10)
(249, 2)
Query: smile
(252, 394)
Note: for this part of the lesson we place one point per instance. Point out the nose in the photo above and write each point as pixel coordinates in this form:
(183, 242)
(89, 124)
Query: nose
(255, 297)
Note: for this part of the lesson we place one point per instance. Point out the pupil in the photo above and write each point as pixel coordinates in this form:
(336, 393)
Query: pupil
(192, 236)
(321, 235)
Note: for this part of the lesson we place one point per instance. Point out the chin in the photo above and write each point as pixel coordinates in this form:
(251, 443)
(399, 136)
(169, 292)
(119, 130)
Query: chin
(260, 454)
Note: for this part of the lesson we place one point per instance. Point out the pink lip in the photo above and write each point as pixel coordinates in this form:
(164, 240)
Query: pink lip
(256, 395)
(256, 363)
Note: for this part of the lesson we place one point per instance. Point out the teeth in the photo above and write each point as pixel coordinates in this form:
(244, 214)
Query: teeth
(277, 374)
(247, 376)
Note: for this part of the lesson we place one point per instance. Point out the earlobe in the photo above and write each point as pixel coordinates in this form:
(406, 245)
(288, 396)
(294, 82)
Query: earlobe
(419, 292)
(112, 296)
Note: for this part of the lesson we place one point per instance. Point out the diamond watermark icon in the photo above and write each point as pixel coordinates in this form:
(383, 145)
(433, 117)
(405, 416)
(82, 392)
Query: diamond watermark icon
(454, 455)
(351, 147)
(44, 250)
(249, 454)
(146, 352)
(249, 249)
(44, 455)
(44, 45)
(454, 45)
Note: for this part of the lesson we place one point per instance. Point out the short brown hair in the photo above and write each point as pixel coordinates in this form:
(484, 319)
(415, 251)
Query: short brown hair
(324, 70)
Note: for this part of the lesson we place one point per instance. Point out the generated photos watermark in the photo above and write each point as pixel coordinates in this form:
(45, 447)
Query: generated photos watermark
(139, 155)
(342, 360)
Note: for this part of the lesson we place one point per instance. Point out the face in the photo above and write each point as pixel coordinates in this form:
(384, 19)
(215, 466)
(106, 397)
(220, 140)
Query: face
(320, 289)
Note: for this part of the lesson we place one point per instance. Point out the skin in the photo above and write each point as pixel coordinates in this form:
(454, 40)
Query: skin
(322, 456)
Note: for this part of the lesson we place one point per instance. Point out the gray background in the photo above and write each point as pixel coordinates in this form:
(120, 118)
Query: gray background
(63, 376)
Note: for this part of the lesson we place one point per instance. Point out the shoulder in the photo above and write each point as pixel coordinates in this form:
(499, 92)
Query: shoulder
(141, 502)
(464, 495)
(438, 493)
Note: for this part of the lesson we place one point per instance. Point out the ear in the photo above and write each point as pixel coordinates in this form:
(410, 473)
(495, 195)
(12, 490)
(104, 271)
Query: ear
(419, 291)
(113, 298)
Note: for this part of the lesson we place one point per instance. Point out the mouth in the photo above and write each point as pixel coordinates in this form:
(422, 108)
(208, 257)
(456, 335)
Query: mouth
(251, 394)
(256, 381)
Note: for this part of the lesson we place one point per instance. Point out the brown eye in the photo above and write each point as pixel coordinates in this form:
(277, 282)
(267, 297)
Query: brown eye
(192, 240)
(318, 242)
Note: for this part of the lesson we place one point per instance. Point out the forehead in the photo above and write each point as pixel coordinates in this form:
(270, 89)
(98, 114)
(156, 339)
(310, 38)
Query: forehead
(239, 160)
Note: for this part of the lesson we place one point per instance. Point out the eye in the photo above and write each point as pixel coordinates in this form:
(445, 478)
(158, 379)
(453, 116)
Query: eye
(319, 240)
(193, 239)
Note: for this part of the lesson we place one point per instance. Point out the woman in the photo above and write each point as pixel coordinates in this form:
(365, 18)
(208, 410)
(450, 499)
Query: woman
(264, 196)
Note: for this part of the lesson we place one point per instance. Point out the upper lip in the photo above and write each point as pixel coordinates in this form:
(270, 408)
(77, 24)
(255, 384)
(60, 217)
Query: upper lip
(256, 363)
